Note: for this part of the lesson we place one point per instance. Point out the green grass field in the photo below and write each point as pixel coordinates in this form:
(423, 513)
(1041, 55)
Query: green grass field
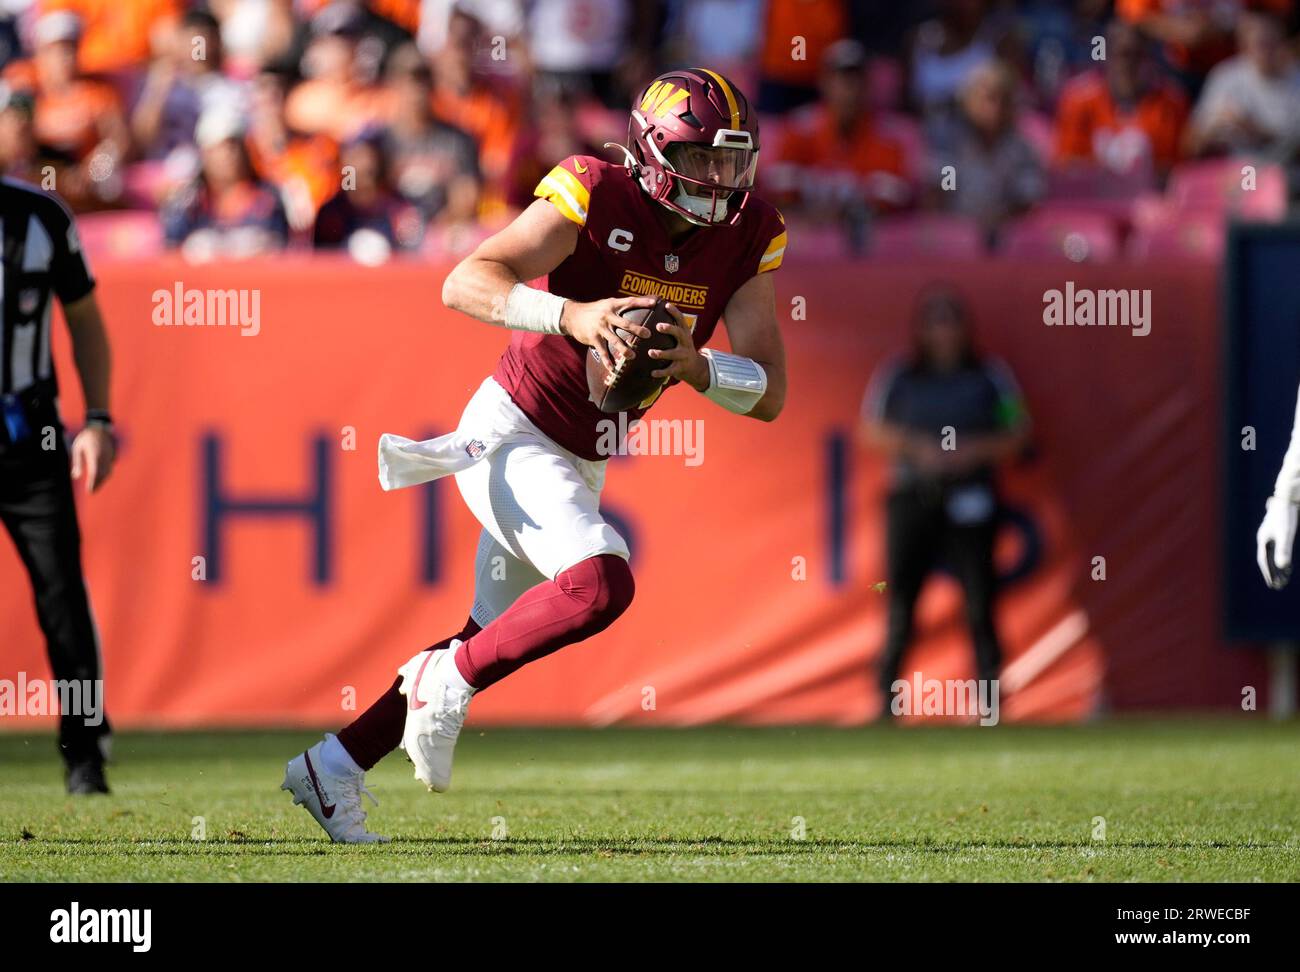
(1182, 801)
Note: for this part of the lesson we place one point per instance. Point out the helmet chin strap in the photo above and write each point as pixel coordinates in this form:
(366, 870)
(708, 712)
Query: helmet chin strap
(699, 211)
(709, 212)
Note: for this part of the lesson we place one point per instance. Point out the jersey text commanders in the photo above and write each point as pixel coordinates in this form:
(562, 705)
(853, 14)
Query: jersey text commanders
(681, 294)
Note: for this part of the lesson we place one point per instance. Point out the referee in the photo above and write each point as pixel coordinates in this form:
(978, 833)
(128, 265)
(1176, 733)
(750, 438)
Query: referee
(42, 258)
(947, 417)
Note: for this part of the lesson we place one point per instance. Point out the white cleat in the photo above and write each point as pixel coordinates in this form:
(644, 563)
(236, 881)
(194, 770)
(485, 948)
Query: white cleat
(333, 800)
(437, 698)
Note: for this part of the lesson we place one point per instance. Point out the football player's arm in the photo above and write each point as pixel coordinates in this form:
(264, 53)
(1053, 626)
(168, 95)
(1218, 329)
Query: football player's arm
(750, 380)
(1276, 534)
(490, 284)
(752, 328)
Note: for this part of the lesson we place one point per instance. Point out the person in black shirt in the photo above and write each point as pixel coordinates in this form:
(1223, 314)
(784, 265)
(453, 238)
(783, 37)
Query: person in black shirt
(42, 259)
(946, 417)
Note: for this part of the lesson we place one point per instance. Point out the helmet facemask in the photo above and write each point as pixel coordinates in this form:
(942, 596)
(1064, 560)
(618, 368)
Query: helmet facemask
(705, 178)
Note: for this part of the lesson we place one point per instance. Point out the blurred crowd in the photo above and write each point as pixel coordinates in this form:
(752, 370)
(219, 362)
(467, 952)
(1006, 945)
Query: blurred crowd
(243, 126)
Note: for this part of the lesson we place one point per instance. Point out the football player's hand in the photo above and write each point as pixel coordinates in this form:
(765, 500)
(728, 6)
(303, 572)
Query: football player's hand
(593, 325)
(1273, 542)
(683, 362)
(93, 452)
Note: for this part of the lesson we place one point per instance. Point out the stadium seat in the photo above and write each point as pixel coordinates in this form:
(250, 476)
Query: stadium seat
(815, 243)
(1184, 235)
(129, 233)
(144, 184)
(1097, 190)
(1217, 184)
(441, 242)
(1056, 231)
(945, 237)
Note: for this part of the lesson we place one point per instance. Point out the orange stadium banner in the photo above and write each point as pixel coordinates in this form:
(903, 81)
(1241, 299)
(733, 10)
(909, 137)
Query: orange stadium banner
(247, 569)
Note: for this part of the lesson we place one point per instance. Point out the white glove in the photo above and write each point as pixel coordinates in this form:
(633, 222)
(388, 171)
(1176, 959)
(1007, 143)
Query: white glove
(1273, 542)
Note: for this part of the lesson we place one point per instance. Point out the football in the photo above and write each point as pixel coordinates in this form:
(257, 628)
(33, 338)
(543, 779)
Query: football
(629, 383)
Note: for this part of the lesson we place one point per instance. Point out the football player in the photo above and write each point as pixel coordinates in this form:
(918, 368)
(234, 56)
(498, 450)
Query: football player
(674, 217)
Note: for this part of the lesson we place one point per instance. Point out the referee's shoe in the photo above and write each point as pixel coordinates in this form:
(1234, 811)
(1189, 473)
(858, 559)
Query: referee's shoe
(86, 777)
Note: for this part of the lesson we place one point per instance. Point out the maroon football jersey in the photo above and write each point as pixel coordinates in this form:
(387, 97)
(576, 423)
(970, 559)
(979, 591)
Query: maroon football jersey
(623, 249)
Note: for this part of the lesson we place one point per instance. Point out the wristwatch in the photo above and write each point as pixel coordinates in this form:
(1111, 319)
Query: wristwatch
(100, 417)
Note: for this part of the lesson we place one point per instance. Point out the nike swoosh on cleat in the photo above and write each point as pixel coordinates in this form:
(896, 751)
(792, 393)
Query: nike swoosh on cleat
(414, 703)
(326, 808)
(579, 166)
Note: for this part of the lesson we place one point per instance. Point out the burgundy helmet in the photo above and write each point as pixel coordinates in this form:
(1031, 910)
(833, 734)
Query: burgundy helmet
(692, 143)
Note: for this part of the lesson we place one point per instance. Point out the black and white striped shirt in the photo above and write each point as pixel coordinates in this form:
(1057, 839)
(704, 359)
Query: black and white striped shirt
(41, 258)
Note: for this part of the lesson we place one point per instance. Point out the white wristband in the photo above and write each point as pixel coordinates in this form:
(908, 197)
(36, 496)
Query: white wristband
(735, 382)
(530, 309)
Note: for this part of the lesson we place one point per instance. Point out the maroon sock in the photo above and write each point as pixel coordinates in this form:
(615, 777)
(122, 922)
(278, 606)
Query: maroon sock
(377, 731)
(581, 601)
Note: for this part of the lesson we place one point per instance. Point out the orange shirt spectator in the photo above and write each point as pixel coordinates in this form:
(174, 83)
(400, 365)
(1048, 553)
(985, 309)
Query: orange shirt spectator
(815, 140)
(1092, 127)
(819, 22)
(833, 154)
(339, 109)
(68, 121)
(73, 114)
(334, 101)
(484, 115)
(305, 170)
(461, 99)
(116, 34)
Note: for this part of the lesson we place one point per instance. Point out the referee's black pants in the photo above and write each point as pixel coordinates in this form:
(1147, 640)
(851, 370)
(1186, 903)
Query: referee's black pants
(919, 534)
(36, 505)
